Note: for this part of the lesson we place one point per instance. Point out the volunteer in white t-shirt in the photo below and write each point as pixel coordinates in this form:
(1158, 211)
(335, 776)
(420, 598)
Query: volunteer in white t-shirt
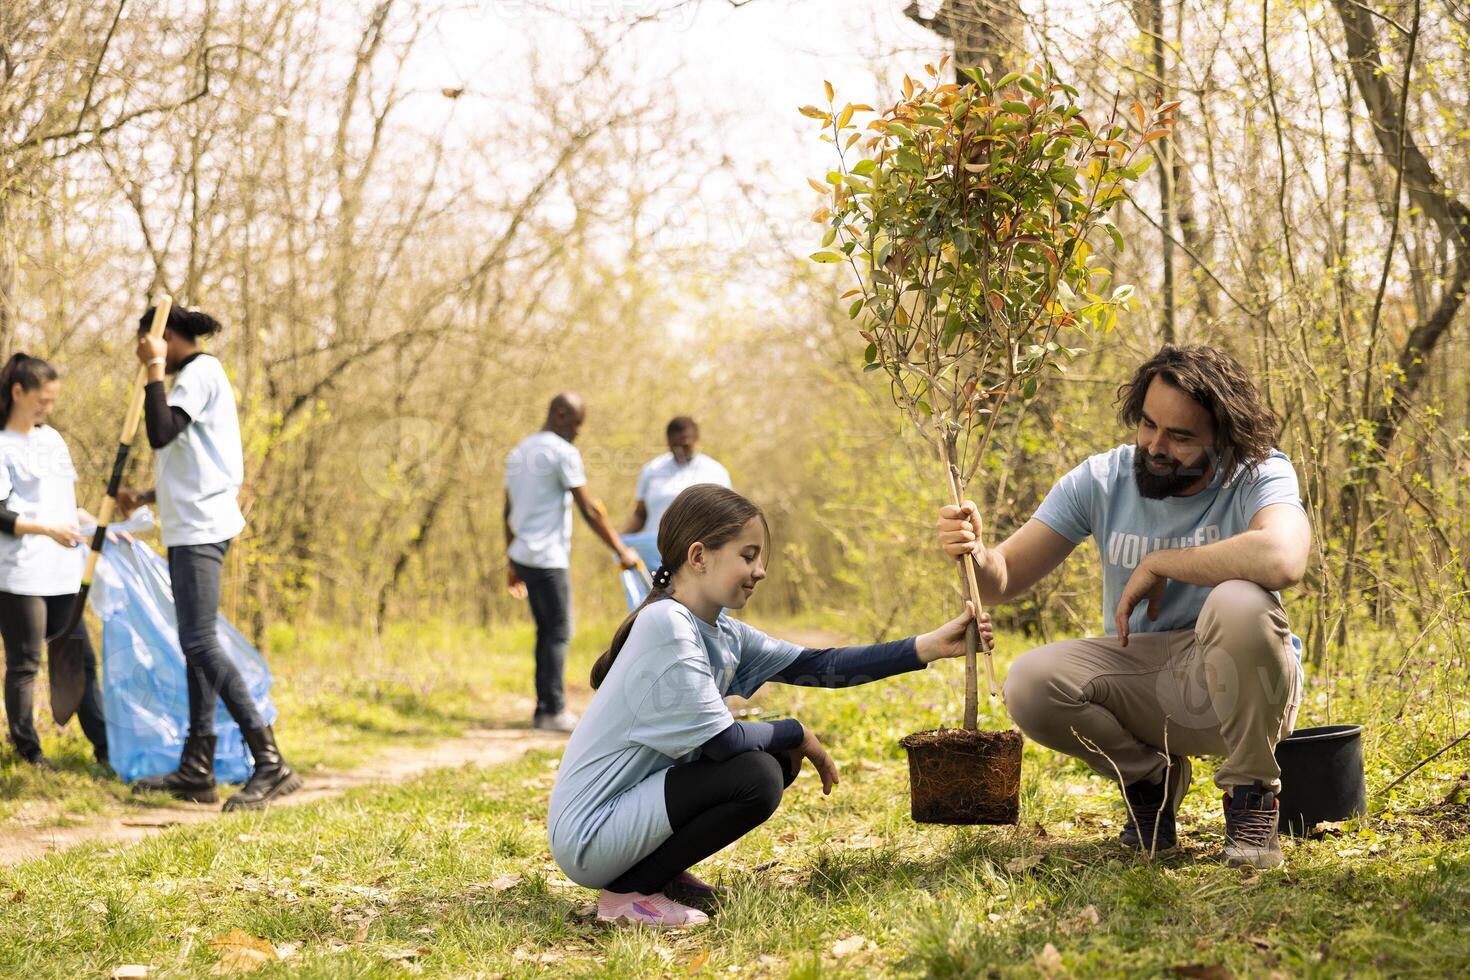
(195, 434)
(40, 552)
(543, 478)
(667, 476)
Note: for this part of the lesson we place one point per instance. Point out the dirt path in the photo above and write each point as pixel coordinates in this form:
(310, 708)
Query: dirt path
(33, 832)
(478, 747)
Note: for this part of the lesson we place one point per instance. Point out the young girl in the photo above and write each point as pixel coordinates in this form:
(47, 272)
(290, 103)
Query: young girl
(195, 433)
(40, 557)
(658, 776)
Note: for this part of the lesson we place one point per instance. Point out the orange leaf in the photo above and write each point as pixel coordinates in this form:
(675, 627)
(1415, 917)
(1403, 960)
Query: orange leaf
(830, 93)
(1138, 112)
(818, 186)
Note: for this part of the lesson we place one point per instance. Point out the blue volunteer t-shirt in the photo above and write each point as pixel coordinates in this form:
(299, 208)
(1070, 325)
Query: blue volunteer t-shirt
(1099, 499)
(663, 698)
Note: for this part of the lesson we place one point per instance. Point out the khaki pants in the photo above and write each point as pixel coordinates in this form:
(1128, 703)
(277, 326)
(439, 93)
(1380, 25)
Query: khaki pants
(1231, 687)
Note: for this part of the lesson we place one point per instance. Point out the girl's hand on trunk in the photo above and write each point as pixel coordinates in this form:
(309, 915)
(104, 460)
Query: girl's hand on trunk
(949, 639)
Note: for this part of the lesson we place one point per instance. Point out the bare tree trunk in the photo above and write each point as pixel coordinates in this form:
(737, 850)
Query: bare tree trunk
(986, 34)
(7, 277)
(1164, 150)
(1426, 190)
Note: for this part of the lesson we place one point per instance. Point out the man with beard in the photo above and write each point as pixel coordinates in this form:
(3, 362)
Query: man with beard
(1199, 524)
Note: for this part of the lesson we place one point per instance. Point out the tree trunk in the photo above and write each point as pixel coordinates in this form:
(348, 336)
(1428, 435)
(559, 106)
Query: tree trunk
(986, 34)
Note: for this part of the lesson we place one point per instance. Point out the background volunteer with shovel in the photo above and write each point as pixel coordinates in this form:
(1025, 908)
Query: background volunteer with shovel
(40, 557)
(195, 433)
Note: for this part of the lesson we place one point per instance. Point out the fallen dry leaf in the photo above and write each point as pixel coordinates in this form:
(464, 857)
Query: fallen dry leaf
(527, 956)
(786, 838)
(850, 945)
(1049, 961)
(1326, 827)
(697, 961)
(240, 952)
(1018, 864)
(506, 881)
(130, 971)
(864, 843)
(1085, 919)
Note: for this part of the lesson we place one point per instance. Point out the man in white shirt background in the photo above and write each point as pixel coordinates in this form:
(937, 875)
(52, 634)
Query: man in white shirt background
(665, 477)
(543, 477)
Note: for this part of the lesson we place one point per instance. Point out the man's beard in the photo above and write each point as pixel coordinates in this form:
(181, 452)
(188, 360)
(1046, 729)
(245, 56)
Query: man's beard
(1180, 476)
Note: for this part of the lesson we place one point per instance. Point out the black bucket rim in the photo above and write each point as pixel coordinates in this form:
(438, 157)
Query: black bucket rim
(1322, 733)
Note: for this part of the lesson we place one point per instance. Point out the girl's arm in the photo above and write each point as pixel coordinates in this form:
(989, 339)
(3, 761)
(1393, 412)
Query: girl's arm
(754, 736)
(849, 666)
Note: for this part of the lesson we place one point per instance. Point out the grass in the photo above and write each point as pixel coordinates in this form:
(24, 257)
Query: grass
(449, 874)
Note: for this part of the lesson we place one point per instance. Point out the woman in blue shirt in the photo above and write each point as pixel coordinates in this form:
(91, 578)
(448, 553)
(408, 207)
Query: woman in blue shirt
(658, 775)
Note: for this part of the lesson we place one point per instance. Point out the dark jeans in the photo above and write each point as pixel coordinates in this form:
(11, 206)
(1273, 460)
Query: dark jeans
(194, 570)
(711, 805)
(550, 593)
(24, 622)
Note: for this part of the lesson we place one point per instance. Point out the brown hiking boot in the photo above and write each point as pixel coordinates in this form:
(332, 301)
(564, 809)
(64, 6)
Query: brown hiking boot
(1251, 819)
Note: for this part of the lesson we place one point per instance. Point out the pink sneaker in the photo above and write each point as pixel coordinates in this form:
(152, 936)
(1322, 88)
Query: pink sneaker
(656, 911)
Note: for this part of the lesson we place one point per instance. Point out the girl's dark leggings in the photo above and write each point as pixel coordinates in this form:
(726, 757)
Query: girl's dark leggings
(711, 805)
(24, 622)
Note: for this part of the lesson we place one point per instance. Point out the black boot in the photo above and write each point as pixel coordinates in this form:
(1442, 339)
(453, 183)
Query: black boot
(193, 780)
(271, 778)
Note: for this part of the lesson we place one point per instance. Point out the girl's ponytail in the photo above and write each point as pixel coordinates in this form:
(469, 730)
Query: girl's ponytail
(704, 513)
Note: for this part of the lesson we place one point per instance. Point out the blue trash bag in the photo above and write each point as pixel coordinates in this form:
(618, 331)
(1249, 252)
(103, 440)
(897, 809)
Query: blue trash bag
(635, 584)
(145, 694)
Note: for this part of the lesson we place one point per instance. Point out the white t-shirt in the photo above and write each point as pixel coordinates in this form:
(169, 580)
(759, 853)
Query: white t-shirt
(200, 471)
(540, 475)
(38, 482)
(663, 698)
(663, 479)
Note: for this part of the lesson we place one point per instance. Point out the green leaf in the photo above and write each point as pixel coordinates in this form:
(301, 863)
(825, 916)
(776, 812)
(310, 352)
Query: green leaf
(873, 367)
(1116, 236)
(1008, 79)
(1028, 390)
(871, 354)
(864, 167)
(855, 308)
(924, 407)
(1019, 108)
(826, 257)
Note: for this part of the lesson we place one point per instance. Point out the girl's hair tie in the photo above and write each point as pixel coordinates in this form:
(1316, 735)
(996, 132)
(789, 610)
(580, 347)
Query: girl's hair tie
(662, 577)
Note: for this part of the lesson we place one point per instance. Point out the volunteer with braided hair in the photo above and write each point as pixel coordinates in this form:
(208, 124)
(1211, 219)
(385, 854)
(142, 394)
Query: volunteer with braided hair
(195, 433)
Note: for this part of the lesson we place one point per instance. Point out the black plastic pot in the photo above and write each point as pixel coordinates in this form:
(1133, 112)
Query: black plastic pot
(1321, 776)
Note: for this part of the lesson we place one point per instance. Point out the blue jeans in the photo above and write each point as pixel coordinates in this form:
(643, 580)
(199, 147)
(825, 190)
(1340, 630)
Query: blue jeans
(550, 593)
(194, 570)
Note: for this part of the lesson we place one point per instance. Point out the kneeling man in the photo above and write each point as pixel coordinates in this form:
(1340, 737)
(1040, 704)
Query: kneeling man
(1199, 524)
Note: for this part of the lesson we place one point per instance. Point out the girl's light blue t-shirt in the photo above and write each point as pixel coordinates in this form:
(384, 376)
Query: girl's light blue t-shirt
(663, 698)
(1099, 499)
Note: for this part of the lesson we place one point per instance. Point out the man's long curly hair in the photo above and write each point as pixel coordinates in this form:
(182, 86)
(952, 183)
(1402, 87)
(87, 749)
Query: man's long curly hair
(1245, 429)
